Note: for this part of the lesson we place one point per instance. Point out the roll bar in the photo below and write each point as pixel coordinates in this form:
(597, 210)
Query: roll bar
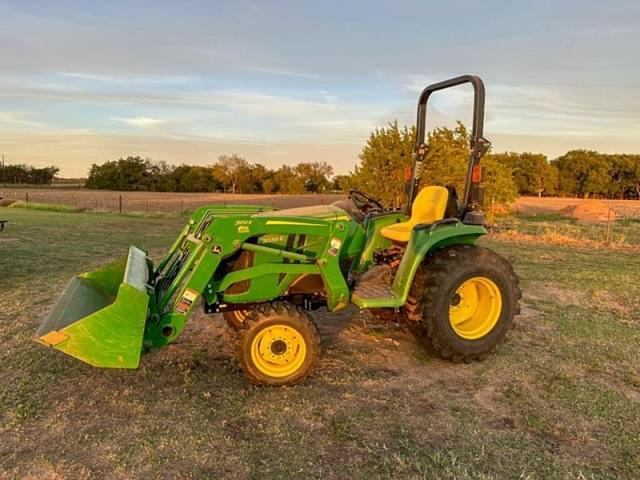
(479, 145)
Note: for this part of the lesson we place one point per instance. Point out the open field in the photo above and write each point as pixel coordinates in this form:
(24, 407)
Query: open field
(561, 399)
(623, 208)
(106, 200)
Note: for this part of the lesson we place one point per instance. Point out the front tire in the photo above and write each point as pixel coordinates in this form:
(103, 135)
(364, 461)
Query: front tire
(278, 344)
(462, 302)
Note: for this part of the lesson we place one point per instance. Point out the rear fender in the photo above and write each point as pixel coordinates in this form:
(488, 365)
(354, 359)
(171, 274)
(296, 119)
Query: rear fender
(426, 239)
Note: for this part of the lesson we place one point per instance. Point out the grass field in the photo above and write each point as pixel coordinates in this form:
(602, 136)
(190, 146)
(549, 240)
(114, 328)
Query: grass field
(561, 399)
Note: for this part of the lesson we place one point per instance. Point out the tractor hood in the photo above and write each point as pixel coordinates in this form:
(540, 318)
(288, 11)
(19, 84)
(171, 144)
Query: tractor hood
(323, 212)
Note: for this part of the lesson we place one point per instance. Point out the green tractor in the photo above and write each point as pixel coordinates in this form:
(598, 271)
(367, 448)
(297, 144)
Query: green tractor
(265, 269)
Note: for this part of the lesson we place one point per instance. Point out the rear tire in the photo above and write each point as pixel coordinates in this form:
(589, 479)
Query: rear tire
(235, 318)
(462, 302)
(278, 344)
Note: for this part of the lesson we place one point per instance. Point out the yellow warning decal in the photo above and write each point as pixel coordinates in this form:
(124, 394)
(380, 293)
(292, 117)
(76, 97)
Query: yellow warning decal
(188, 297)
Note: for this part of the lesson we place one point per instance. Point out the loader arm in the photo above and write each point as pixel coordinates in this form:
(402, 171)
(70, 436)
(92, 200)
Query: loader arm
(192, 269)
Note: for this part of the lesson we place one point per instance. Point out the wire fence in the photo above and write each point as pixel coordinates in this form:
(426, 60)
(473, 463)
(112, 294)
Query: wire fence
(155, 202)
(611, 223)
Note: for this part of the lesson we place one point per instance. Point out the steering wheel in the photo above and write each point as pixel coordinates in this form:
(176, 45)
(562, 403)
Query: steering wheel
(365, 202)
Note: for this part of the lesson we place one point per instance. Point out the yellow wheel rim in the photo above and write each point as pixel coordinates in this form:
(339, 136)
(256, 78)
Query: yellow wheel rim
(278, 351)
(475, 308)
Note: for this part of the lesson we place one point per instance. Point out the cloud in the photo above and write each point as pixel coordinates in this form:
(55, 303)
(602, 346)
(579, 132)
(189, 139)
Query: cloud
(142, 122)
(318, 73)
(280, 72)
(18, 119)
(128, 80)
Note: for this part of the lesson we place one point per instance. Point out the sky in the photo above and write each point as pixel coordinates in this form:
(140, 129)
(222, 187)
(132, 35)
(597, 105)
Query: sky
(284, 82)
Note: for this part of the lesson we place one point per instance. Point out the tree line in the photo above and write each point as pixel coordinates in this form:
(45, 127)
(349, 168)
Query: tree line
(386, 155)
(384, 159)
(25, 174)
(231, 173)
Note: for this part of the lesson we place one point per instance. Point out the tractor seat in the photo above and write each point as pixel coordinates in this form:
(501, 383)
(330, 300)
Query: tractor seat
(428, 207)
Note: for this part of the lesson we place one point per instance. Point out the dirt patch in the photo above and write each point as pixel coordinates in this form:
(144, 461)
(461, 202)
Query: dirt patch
(599, 300)
(485, 397)
(535, 205)
(556, 293)
(591, 211)
(622, 307)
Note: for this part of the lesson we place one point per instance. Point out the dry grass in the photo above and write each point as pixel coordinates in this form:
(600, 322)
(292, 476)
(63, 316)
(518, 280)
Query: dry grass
(556, 238)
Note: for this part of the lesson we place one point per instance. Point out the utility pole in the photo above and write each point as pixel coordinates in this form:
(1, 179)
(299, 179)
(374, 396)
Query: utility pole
(3, 179)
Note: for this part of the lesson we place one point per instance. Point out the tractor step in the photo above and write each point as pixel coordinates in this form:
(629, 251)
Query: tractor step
(373, 290)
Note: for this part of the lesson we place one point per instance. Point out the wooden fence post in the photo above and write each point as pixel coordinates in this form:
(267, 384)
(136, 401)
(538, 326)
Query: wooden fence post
(492, 212)
(608, 239)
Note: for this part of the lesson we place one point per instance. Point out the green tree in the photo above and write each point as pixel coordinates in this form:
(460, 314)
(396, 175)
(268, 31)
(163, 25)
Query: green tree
(388, 153)
(314, 175)
(447, 162)
(233, 172)
(584, 173)
(447, 158)
(193, 178)
(26, 174)
(498, 182)
(532, 173)
(286, 180)
(259, 174)
(341, 183)
(384, 158)
(131, 173)
(626, 176)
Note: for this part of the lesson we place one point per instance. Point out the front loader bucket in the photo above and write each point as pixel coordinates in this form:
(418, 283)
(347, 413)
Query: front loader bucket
(101, 315)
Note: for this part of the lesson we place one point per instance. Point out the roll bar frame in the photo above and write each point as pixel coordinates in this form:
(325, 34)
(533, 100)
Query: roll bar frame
(479, 145)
